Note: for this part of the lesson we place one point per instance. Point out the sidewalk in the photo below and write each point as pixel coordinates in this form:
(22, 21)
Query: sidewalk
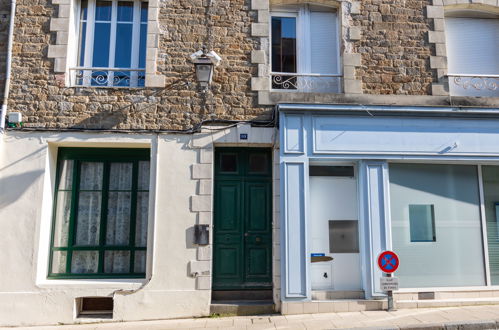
(469, 317)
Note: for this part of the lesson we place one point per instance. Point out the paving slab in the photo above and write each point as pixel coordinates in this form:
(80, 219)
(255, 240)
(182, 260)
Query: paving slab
(444, 318)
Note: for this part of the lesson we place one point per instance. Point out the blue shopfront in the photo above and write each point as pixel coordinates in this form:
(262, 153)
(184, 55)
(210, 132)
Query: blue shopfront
(357, 180)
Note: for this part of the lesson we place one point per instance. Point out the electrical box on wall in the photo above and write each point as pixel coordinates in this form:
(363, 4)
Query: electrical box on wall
(201, 234)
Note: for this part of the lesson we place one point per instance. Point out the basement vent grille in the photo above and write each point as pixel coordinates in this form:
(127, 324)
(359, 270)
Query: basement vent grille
(95, 307)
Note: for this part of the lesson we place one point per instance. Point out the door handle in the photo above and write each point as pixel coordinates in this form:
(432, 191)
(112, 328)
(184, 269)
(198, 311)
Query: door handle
(246, 234)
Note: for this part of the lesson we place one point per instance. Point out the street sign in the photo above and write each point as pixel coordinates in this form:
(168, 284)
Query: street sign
(389, 283)
(388, 261)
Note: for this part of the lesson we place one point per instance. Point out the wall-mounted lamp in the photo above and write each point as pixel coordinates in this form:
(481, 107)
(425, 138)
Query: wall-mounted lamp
(204, 64)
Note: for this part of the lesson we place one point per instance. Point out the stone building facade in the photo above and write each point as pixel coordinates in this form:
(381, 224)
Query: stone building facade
(391, 99)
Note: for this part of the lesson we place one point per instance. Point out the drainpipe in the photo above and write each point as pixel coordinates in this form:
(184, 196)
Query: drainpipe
(3, 111)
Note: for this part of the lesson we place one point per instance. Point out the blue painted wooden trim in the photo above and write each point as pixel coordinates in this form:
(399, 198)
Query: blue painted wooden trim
(294, 269)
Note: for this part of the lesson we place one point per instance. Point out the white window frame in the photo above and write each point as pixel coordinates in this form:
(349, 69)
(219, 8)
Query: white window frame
(470, 84)
(303, 47)
(87, 66)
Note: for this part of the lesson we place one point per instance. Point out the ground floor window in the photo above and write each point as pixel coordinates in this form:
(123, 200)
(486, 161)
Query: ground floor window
(436, 224)
(100, 213)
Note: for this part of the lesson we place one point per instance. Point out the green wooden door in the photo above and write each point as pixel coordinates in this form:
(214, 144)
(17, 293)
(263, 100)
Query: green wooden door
(242, 219)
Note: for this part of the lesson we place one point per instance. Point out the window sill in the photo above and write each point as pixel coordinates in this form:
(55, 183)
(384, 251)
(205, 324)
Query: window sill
(92, 283)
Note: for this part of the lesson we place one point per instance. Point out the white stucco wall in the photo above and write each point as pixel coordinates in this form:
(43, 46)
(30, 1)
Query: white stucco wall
(27, 171)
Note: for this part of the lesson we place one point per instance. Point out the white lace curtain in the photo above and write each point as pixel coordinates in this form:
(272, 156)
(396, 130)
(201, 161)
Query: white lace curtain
(119, 206)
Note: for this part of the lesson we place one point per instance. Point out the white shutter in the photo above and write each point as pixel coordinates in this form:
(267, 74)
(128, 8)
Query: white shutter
(324, 55)
(472, 45)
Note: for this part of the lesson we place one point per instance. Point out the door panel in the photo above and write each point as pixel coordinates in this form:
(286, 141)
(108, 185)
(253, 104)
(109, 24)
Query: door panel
(242, 219)
(332, 199)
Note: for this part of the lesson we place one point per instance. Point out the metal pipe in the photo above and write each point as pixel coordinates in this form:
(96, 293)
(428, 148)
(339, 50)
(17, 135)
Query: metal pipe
(3, 111)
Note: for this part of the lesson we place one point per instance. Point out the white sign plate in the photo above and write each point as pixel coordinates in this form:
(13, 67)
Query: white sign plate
(389, 283)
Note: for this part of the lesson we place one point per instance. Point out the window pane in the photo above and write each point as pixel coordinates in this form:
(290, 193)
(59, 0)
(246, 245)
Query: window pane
(83, 40)
(140, 262)
(102, 36)
(62, 217)
(491, 198)
(453, 192)
(118, 218)
(84, 262)
(103, 11)
(228, 163)
(91, 176)
(120, 176)
(88, 221)
(143, 183)
(123, 52)
(141, 219)
(258, 163)
(422, 223)
(59, 262)
(125, 11)
(117, 262)
(84, 10)
(143, 12)
(284, 44)
(142, 47)
(66, 174)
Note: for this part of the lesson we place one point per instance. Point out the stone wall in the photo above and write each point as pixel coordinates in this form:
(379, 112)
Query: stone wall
(394, 47)
(45, 102)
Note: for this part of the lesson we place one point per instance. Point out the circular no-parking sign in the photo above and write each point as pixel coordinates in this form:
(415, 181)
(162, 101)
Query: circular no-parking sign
(388, 261)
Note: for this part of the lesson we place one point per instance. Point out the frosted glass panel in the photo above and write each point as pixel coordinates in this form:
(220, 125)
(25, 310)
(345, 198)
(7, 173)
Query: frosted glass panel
(59, 262)
(141, 220)
(84, 262)
(144, 175)
(490, 176)
(117, 262)
(88, 221)
(120, 176)
(456, 257)
(118, 218)
(91, 176)
(66, 174)
(140, 262)
(62, 216)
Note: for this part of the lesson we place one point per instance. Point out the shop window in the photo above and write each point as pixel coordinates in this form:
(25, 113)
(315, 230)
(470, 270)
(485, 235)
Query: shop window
(490, 176)
(422, 223)
(100, 214)
(305, 49)
(443, 199)
(111, 44)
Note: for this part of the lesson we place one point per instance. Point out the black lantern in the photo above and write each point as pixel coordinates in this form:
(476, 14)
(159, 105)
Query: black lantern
(204, 70)
(204, 64)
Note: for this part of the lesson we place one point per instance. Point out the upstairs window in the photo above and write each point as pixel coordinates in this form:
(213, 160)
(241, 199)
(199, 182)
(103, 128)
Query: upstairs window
(305, 49)
(112, 44)
(472, 48)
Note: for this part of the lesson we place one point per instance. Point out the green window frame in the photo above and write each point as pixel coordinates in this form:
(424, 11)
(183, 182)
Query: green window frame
(113, 218)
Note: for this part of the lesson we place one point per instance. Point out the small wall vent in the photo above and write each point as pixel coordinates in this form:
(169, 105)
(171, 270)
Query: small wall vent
(95, 307)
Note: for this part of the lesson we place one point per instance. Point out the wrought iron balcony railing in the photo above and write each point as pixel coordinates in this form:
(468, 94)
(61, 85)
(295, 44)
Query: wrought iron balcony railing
(474, 85)
(307, 82)
(107, 77)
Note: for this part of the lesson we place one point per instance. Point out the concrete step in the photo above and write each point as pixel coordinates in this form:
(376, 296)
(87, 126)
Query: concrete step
(242, 295)
(242, 307)
(402, 304)
(332, 306)
(334, 295)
